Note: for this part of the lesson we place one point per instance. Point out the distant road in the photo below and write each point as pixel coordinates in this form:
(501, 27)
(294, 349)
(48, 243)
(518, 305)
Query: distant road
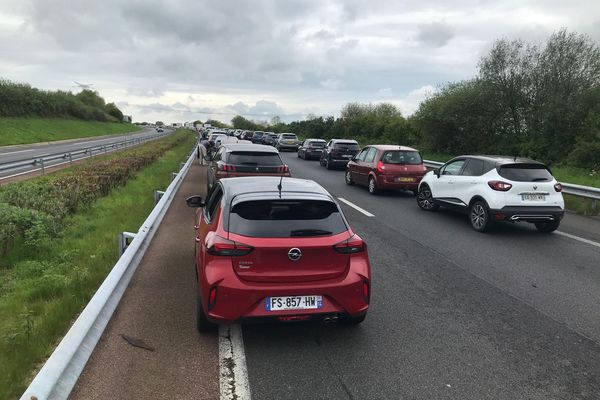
(30, 151)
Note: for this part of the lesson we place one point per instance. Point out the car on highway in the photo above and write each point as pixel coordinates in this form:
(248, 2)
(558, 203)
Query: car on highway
(240, 159)
(247, 135)
(311, 148)
(386, 167)
(271, 249)
(491, 189)
(257, 137)
(287, 141)
(338, 152)
(270, 139)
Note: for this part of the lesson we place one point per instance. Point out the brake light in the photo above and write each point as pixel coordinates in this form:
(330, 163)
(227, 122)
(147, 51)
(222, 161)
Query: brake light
(283, 168)
(219, 246)
(350, 246)
(380, 166)
(225, 167)
(500, 186)
(366, 290)
(212, 297)
(558, 187)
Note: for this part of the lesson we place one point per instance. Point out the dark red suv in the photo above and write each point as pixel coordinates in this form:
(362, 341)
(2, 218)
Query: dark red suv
(381, 167)
(277, 249)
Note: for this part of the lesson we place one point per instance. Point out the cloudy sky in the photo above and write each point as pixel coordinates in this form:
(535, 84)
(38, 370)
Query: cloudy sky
(183, 60)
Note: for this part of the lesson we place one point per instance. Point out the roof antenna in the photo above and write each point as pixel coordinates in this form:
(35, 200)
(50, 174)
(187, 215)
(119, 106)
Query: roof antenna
(279, 185)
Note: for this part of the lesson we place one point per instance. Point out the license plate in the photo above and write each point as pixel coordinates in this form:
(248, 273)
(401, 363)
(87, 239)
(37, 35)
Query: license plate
(403, 179)
(293, 303)
(533, 197)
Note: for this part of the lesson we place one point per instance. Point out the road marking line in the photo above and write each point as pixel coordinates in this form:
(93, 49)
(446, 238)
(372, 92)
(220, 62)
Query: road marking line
(583, 240)
(15, 152)
(233, 375)
(357, 208)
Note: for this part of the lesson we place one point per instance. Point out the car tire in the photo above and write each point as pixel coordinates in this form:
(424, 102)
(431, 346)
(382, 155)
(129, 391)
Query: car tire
(353, 320)
(547, 226)
(202, 323)
(328, 164)
(425, 199)
(479, 216)
(348, 178)
(372, 186)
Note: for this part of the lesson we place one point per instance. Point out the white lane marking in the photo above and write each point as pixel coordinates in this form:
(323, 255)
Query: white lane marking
(233, 375)
(580, 239)
(15, 152)
(357, 208)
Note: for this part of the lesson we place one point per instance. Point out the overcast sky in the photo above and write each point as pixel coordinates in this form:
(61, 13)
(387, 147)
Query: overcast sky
(191, 59)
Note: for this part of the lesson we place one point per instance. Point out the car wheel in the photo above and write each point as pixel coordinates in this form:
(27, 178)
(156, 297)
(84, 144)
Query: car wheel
(348, 178)
(425, 200)
(353, 320)
(372, 186)
(479, 215)
(202, 323)
(547, 226)
(328, 164)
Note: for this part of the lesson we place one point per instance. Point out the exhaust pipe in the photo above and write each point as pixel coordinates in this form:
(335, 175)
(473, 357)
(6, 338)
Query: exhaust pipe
(335, 318)
(327, 320)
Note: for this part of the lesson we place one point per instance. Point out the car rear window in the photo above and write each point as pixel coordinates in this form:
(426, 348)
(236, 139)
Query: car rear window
(286, 218)
(253, 158)
(346, 146)
(288, 136)
(401, 157)
(525, 173)
(258, 134)
(316, 144)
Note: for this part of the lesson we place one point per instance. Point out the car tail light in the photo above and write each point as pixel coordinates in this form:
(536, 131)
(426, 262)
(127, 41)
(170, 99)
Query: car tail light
(283, 168)
(212, 297)
(225, 167)
(349, 246)
(500, 186)
(366, 290)
(558, 187)
(219, 246)
(380, 166)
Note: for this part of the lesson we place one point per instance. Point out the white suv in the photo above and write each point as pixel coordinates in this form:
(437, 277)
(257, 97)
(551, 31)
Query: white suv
(495, 188)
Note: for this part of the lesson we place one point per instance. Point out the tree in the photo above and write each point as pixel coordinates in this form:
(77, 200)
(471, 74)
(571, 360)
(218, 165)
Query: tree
(113, 110)
(159, 123)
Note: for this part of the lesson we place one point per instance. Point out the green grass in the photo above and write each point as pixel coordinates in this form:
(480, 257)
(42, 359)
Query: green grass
(34, 130)
(44, 288)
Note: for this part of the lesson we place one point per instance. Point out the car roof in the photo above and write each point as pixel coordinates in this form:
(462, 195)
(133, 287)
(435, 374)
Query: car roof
(387, 147)
(250, 147)
(344, 140)
(267, 186)
(501, 160)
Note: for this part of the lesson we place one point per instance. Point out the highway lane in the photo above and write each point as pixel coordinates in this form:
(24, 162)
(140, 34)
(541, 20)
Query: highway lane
(455, 314)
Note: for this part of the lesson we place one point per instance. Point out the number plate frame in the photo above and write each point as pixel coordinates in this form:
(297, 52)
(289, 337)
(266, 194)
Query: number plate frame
(527, 197)
(291, 303)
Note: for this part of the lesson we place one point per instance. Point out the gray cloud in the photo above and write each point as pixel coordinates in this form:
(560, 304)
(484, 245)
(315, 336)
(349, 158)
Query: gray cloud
(436, 34)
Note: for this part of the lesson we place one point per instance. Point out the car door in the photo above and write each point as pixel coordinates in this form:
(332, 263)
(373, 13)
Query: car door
(467, 182)
(443, 187)
(368, 165)
(354, 165)
(206, 224)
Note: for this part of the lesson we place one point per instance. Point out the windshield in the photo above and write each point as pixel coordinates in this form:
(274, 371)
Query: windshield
(402, 157)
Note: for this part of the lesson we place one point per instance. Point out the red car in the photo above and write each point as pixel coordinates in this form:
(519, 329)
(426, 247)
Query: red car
(381, 167)
(277, 250)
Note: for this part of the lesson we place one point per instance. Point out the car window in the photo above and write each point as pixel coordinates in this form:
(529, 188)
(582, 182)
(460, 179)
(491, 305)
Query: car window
(525, 173)
(402, 157)
(474, 167)
(286, 218)
(319, 145)
(346, 146)
(453, 168)
(370, 156)
(213, 202)
(363, 153)
(253, 158)
(288, 136)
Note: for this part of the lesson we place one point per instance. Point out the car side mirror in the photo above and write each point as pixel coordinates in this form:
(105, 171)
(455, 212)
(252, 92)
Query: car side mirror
(194, 201)
(436, 171)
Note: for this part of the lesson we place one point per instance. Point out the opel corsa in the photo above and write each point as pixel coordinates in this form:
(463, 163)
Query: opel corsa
(277, 249)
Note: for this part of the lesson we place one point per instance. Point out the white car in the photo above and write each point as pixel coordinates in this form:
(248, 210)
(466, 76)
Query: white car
(495, 188)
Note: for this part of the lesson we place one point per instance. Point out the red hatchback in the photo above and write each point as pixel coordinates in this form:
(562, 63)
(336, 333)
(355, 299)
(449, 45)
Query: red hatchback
(381, 167)
(281, 250)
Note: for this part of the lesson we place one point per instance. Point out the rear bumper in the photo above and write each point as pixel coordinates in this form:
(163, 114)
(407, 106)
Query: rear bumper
(288, 146)
(313, 154)
(528, 213)
(339, 161)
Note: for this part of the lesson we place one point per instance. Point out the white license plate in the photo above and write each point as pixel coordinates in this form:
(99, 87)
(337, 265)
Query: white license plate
(533, 197)
(293, 303)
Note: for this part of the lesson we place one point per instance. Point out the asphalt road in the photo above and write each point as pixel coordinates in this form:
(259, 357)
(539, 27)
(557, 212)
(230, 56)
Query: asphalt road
(455, 314)
(13, 154)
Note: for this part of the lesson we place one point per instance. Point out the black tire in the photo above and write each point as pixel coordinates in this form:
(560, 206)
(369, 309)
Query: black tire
(328, 164)
(298, 155)
(353, 320)
(348, 178)
(479, 216)
(202, 323)
(425, 200)
(321, 163)
(547, 226)
(372, 186)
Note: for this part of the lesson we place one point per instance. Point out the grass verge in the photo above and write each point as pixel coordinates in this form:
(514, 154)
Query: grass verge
(44, 288)
(34, 130)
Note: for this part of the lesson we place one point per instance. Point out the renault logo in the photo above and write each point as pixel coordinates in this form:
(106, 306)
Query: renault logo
(534, 187)
(294, 254)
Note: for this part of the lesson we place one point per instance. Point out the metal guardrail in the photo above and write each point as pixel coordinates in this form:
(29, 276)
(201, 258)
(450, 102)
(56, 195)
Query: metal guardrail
(70, 156)
(59, 374)
(587, 192)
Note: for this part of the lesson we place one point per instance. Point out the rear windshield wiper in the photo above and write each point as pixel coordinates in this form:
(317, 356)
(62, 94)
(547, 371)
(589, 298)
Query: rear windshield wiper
(539, 180)
(309, 232)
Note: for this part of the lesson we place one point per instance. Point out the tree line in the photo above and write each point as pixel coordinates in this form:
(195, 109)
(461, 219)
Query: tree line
(22, 100)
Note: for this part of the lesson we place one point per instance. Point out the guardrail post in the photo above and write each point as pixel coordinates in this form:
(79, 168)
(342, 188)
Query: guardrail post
(105, 150)
(43, 169)
(124, 239)
(70, 159)
(158, 194)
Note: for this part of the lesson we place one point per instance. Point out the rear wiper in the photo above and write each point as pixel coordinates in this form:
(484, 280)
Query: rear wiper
(309, 232)
(539, 180)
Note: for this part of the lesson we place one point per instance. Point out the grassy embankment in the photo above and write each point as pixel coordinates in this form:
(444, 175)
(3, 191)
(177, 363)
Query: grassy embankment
(43, 288)
(34, 130)
(578, 176)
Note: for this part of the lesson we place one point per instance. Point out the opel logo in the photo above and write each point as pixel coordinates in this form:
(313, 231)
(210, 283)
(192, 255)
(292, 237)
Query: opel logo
(534, 187)
(294, 254)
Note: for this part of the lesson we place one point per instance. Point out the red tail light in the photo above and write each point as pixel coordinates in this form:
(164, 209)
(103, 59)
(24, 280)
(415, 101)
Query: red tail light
(219, 246)
(366, 290)
(500, 186)
(212, 297)
(380, 166)
(225, 167)
(349, 246)
(558, 187)
(283, 168)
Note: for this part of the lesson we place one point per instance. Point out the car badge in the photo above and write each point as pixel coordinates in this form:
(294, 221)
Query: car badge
(257, 169)
(294, 254)
(534, 187)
